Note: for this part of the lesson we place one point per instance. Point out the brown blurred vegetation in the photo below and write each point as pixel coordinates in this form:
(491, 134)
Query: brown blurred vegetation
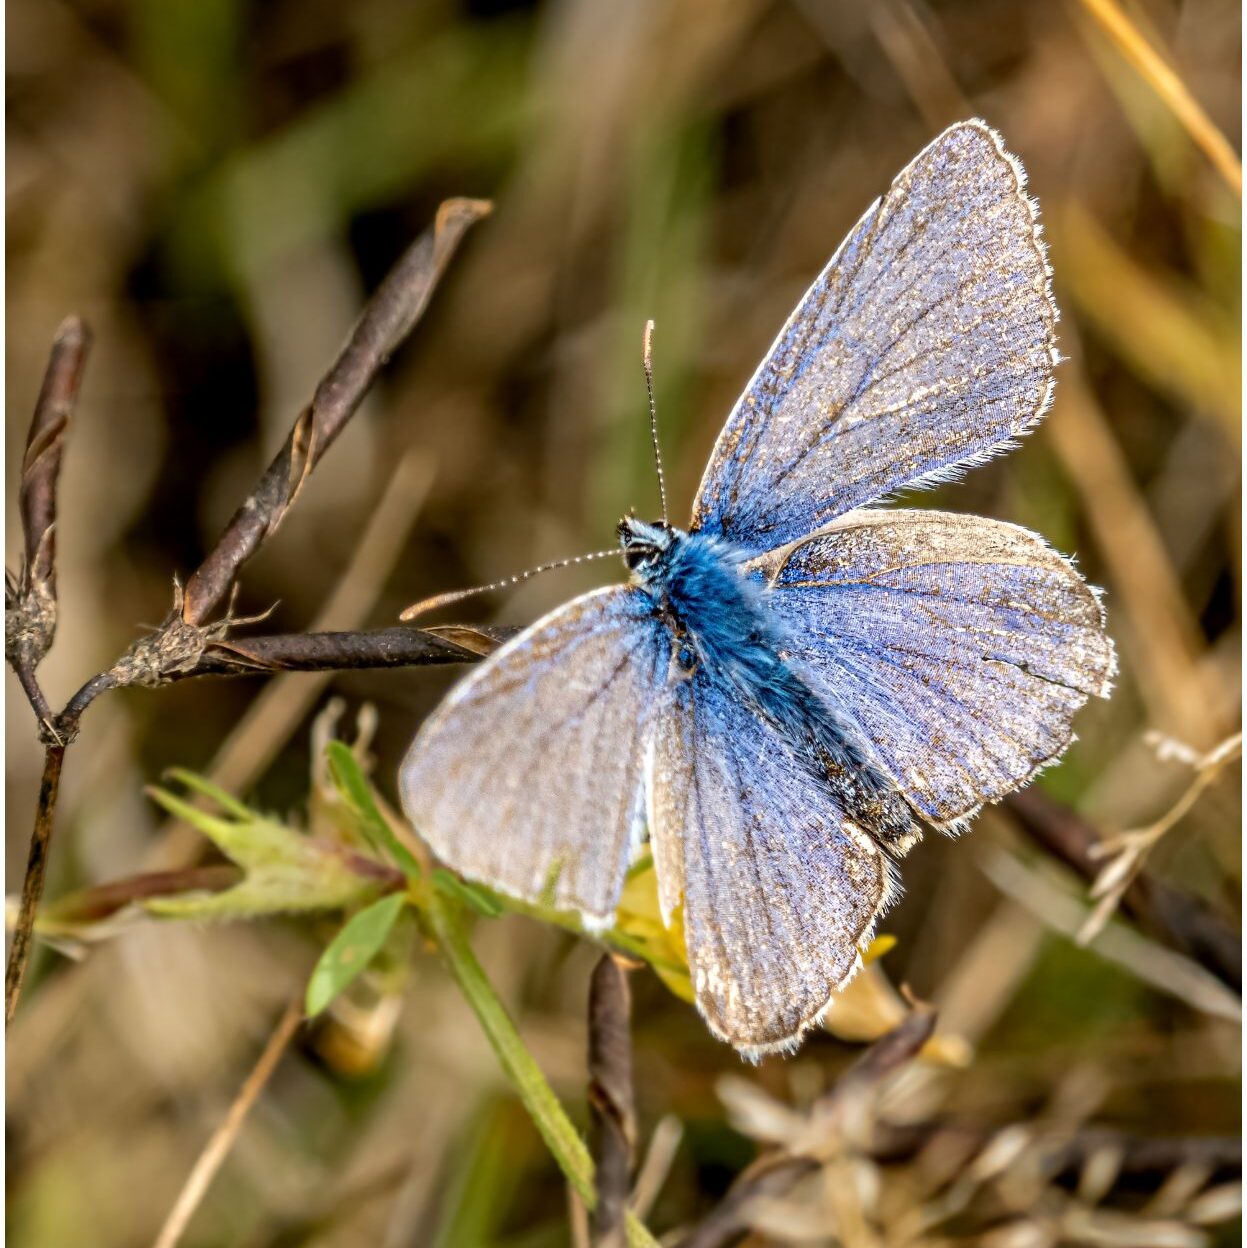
(216, 186)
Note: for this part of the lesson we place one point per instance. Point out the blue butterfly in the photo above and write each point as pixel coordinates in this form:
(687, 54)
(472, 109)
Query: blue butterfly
(786, 692)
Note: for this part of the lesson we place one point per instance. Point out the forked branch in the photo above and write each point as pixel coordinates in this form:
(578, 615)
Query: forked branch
(190, 642)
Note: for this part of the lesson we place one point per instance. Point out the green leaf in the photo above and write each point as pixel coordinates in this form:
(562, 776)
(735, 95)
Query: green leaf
(479, 899)
(202, 785)
(351, 950)
(283, 870)
(354, 786)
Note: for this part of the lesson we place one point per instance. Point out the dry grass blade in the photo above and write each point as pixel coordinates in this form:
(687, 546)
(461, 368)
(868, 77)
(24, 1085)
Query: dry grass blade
(1183, 921)
(1162, 969)
(217, 1148)
(1170, 88)
(1168, 332)
(656, 1164)
(908, 33)
(1168, 641)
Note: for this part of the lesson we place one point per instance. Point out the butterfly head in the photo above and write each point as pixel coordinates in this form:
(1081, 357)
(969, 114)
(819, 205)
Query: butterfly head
(644, 544)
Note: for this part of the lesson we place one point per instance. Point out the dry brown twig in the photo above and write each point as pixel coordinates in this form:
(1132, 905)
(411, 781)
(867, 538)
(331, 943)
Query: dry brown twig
(189, 642)
(282, 703)
(30, 609)
(30, 598)
(612, 1106)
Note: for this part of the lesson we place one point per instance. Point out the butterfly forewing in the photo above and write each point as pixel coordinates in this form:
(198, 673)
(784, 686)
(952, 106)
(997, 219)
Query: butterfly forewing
(779, 886)
(961, 646)
(528, 777)
(927, 343)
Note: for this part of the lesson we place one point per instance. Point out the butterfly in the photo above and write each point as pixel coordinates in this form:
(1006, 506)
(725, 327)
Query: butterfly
(787, 692)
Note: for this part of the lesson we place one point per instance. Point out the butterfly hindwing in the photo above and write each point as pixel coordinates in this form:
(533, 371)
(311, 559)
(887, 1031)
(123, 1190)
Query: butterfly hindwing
(778, 885)
(528, 776)
(961, 646)
(926, 344)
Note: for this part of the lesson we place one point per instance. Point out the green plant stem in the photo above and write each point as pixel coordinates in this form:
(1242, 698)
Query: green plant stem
(561, 1137)
(556, 1129)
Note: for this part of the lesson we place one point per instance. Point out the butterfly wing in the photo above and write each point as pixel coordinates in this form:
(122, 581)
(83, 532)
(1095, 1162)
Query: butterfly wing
(962, 647)
(528, 776)
(926, 345)
(778, 885)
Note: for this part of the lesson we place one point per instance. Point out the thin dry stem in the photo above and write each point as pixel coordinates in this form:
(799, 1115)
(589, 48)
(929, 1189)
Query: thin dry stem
(656, 1165)
(222, 1139)
(32, 883)
(1183, 922)
(1128, 852)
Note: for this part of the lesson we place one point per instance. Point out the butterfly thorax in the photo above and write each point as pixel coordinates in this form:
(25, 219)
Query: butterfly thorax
(723, 631)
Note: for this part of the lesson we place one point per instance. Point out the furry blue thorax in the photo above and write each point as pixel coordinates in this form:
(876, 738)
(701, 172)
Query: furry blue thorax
(721, 624)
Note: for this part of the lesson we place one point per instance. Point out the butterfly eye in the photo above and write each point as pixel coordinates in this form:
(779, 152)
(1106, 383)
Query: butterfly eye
(636, 553)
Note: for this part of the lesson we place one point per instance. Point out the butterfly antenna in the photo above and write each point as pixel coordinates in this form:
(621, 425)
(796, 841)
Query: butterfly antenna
(653, 416)
(458, 595)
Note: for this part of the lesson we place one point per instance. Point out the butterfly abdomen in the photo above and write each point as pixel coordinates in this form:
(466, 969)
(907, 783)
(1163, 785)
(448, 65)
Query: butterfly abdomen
(723, 620)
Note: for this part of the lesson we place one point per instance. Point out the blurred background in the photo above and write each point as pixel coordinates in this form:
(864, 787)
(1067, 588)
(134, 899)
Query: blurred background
(216, 186)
